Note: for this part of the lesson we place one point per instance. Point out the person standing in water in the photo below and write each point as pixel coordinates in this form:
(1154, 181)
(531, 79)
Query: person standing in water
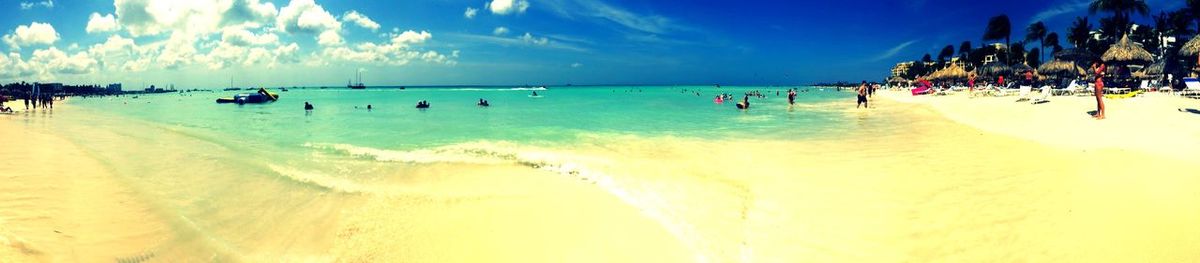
(791, 96)
(862, 96)
(745, 104)
(307, 106)
(1099, 68)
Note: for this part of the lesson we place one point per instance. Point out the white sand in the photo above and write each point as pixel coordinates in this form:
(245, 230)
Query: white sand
(1152, 123)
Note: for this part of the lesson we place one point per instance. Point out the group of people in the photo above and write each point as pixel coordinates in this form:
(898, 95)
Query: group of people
(46, 101)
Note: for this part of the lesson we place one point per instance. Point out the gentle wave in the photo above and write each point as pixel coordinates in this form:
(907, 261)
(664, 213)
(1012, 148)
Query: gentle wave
(647, 202)
(495, 89)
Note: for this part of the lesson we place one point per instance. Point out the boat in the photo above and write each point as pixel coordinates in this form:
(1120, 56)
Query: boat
(262, 96)
(359, 85)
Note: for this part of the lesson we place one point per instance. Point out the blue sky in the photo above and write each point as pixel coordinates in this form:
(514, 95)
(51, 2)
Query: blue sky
(196, 44)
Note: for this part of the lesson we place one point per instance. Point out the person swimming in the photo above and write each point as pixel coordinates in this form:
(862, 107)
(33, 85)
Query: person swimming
(483, 103)
(369, 107)
(718, 100)
(307, 106)
(423, 104)
(745, 104)
(534, 94)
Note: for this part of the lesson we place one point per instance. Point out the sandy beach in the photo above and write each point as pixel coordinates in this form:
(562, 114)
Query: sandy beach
(931, 179)
(1156, 123)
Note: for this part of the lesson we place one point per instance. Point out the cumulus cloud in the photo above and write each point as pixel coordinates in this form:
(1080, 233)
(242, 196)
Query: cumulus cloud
(360, 20)
(105, 23)
(529, 38)
(500, 31)
(505, 7)
(34, 34)
(53, 60)
(470, 13)
(241, 37)
(154, 17)
(329, 38)
(411, 37)
(31, 5)
(305, 16)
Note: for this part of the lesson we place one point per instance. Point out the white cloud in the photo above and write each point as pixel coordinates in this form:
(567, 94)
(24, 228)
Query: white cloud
(894, 50)
(529, 38)
(53, 60)
(241, 37)
(500, 31)
(505, 7)
(411, 37)
(305, 16)
(34, 34)
(1066, 8)
(360, 20)
(154, 17)
(31, 5)
(647, 23)
(105, 23)
(470, 13)
(330, 38)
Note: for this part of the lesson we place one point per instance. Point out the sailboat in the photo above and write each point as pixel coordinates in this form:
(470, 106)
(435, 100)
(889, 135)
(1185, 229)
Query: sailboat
(359, 85)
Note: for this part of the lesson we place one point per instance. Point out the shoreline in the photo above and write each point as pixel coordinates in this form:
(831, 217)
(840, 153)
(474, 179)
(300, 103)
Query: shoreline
(1149, 124)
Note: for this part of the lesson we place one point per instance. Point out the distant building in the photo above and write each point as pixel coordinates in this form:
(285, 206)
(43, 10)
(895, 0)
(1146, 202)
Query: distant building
(114, 88)
(901, 69)
(50, 87)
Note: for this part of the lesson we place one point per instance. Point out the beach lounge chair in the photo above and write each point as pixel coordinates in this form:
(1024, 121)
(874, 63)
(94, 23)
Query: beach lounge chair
(1193, 87)
(1023, 95)
(1044, 97)
(1006, 90)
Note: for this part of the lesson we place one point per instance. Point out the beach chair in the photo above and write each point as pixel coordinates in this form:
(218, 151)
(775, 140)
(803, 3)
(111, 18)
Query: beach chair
(1145, 86)
(1044, 97)
(1023, 94)
(1004, 91)
(1193, 87)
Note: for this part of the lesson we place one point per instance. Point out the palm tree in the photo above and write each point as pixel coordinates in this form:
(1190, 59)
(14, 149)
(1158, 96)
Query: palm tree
(999, 28)
(1017, 50)
(1121, 9)
(1193, 10)
(1051, 40)
(1033, 58)
(947, 51)
(964, 50)
(1080, 32)
(1036, 31)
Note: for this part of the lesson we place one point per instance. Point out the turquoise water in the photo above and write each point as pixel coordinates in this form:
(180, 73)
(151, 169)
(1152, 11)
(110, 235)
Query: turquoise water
(560, 115)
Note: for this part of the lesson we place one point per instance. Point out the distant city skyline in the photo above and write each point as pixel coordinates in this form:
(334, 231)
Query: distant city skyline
(205, 44)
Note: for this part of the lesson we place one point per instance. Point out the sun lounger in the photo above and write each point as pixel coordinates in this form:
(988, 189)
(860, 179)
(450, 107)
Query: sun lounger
(1023, 94)
(1045, 95)
(1193, 87)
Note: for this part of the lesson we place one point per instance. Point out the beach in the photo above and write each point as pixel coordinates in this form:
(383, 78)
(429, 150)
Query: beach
(931, 179)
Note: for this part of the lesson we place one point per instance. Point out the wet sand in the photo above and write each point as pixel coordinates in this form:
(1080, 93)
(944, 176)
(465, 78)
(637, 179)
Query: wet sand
(919, 181)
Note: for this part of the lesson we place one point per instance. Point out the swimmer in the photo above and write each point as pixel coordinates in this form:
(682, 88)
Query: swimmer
(307, 106)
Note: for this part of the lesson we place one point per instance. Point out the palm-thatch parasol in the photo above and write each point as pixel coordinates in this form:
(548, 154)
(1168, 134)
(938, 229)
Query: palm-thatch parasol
(897, 79)
(994, 69)
(1060, 68)
(1154, 69)
(1020, 68)
(954, 72)
(1126, 51)
(1191, 48)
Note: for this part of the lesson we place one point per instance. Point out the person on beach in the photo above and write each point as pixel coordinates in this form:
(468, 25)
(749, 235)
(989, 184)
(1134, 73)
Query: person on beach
(862, 96)
(26, 102)
(1099, 68)
(308, 106)
(971, 83)
(791, 96)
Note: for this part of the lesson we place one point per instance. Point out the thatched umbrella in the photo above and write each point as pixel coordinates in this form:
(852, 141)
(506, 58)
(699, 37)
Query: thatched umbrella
(1125, 51)
(1154, 69)
(1060, 68)
(1021, 68)
(1191, 48)
(994, 69)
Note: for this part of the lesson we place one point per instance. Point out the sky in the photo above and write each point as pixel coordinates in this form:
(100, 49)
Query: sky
(210, 43)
